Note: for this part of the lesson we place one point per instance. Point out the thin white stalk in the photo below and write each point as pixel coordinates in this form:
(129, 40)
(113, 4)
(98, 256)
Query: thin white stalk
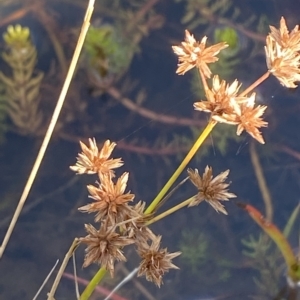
(126, 279)
(45, 281)
(75, 277)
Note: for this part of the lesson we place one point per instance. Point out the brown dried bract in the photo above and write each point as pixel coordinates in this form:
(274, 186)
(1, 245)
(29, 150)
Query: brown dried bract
(283, 63)
(137, 228)
(284, 38)
(104, 246)
(210, 189)
(194, 54)
(110, 199)
(219, 99)
(91, 160)
(226, 106)
(249, 118)
(155, 261)
(282, 54)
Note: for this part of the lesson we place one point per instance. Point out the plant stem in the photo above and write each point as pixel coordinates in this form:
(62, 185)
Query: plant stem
(62, 268)
(182, 166)
(170, 211)
(277, 236)
(204, 82)
(261, 181)
(92, 284)
(50, 129)
(100, 274)
(255, 84)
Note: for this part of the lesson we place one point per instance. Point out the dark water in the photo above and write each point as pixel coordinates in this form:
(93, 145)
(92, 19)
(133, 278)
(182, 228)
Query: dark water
(214, 264)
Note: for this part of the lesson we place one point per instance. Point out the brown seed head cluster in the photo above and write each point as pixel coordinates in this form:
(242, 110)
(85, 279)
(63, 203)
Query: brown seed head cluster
(211, 189)
(104, 246)
(92, 161)
(222, 99)
(109, 199)
(155, 261)
(119, 222)
(225, 106)
(282, 54)
(194, 54)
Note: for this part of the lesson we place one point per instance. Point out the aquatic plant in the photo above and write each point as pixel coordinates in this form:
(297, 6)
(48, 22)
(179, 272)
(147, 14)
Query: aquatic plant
(108, 54)
(118, 221)
(127, 223)
(123, 223)
(22, 88)
(291, 261)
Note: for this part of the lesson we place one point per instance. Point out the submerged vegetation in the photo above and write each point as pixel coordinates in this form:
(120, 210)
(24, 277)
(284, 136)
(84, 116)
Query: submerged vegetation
(114, 89)
(22, 89)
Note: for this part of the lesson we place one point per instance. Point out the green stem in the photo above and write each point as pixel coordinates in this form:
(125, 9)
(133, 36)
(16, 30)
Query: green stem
(170, 211)
(182, 166)
(92, 284)
(100, 274)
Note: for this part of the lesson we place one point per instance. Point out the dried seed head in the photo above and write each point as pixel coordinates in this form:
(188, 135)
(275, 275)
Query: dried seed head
(210, 189)
(110, 199)
(283, 63)
(104, 246)
(285, 39)
(136, 227)
(249, 119)
(155, 262)
(219, 99)
(282, 54)
(226, 106)
(91, 160)
(194, 54)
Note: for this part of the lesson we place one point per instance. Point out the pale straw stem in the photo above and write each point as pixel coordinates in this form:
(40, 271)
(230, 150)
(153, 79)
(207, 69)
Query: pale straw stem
(60, 101)
(255, 84)
(62, 268)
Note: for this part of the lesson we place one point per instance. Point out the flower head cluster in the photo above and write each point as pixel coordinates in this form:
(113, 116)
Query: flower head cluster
(110, 199)
(194, 54)
(91, 160)
(282, 54)
(121, 224)
(226, 106)
(223, 101)
(155, 261)
(104, 246)
(211, 189)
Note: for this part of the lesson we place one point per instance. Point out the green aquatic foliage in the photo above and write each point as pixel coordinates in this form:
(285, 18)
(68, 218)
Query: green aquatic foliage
(266, 260)
(17, 37)
(199, 12)
(229, 58)
(22, 87)
(107, 51)
(194, 248)
(228, 35)
(198, 255)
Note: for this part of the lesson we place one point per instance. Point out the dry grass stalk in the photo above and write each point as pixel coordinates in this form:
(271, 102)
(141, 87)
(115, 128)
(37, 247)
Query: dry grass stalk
(45, 143)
